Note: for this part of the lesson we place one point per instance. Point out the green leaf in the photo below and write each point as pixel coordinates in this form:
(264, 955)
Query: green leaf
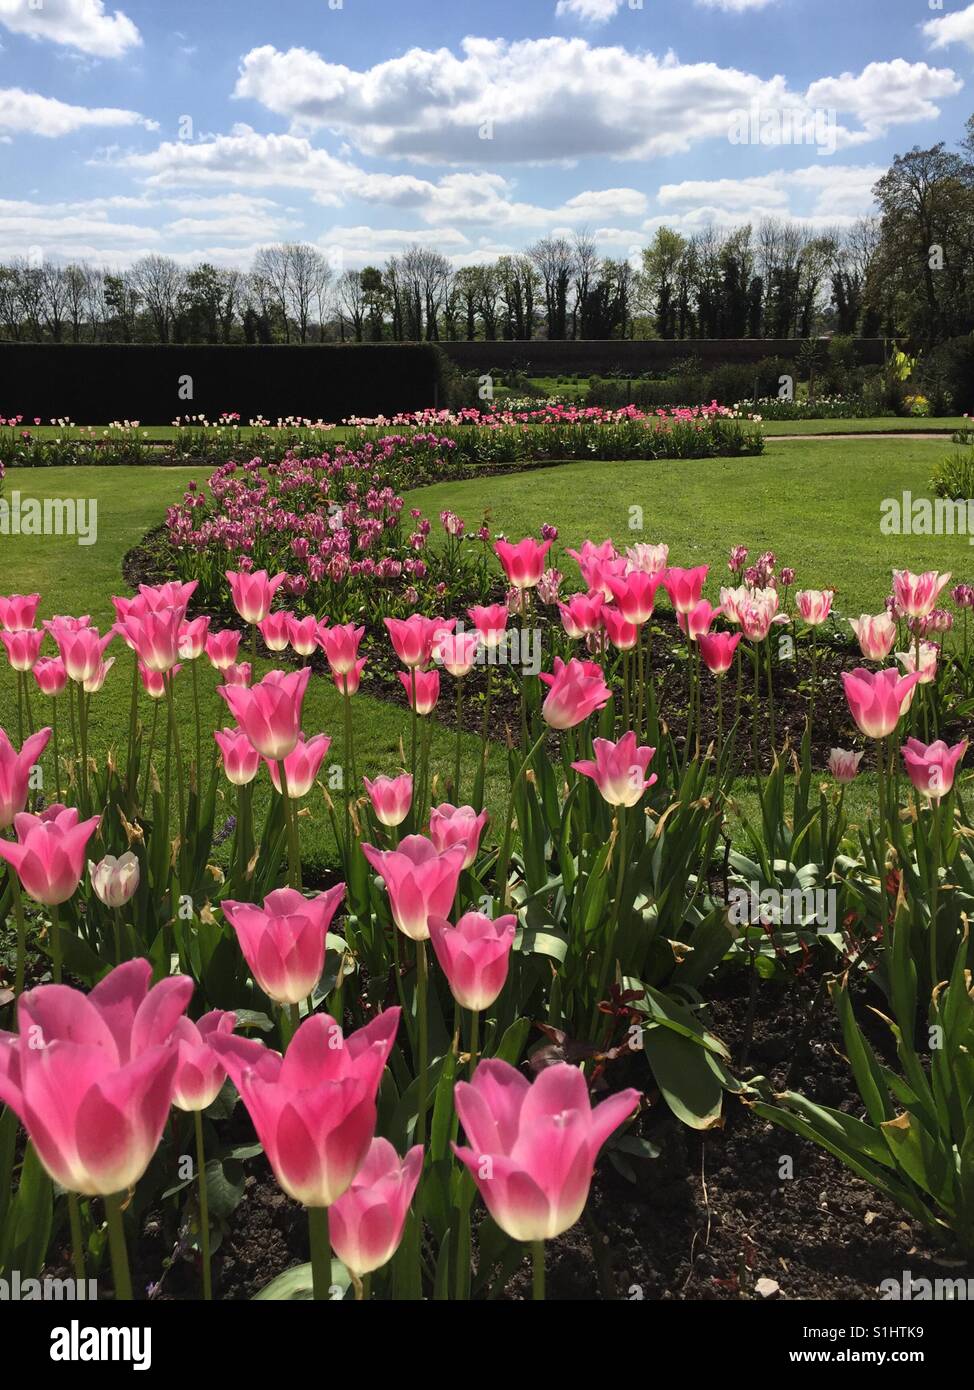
(296, 1284)
(688, 1085)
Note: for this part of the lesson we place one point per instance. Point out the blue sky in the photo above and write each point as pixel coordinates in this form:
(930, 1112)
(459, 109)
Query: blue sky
(207, 128)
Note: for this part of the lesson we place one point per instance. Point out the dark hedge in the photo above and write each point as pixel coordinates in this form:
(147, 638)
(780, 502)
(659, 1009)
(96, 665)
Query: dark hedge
(96, 384)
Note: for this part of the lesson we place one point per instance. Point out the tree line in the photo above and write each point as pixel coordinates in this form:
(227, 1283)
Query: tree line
(906, 272)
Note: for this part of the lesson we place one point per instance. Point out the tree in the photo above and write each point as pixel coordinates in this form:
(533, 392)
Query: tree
(352, 303)
(656, 284)
(158, 282)
(554, 259)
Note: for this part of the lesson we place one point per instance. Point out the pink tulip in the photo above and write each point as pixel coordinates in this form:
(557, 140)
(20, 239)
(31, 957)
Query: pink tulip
(576, 690)
(237, 675)
(19, 612)
(283, 942)
(391, 798)
(276, 631)
(648, 559)
(685, 587)
(917, 594)
(877, 699)
(600, 574)
(253, 594)
(696, 623)
(533, 1147)
(474, 956)
(635, 595)
(491, 623)
(91, 1077)
(876, 635)
(732, 601)
(157, 597)
(814, 605)
(929, 656)
(154, 637)
(367, 1222)
(270, 712)
(843, 765)
(15, 770)
(582, 614)
(413, 638)
(222, 648)
(155, 682)
(932, 767)
(313, 1109)
(348, 684)
(97, 679)
(421, 883)
(192, 639)
(51, 677)
(241, 761)
(523, 563)
(200, 1072)
(619, 770)
(717, 650)
(757, 614)
(23, 648)
(302, 634)
(340, 645)
(457, 825)
(422, 689)
(623, 635)
(49, 855)
(115, 881)
(82, 650)
(301, 767)
(457, 652)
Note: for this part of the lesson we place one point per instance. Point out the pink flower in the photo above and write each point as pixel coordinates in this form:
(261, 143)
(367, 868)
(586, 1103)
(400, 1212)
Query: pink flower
(349, 683)
(533, 1147)
(367, 1222)
(457, 652)
(929, 655)
(270, 712)
(19, 612)
(97, 679)
(717, 650)
(391, 798)
(15, 770)
(474, 956)
(313, 1109)
(917, 594)
(154, 682)
(877, 699)
(302, 634)
(757, 614)
(241, 760)
(732, 601)
(491, 623)
(421, 882)
(413, 638)
(283, 942)
(340, 645)
(697, 621)
(115, 881)
(523, 563)
(200, 1073)
(91, 1077)
(814, 605)
(876, 635)
(685, 586)
(49, 855)
(222, 648)
(843, 765)
(51, 677)
(154, 637)
(619, 770)
(23, 648)
(932, 767)
(549, 586)
(422, 689)
(276, 631)
(623, 635)
(192, 639)
(301, 767)
(81, 649)
(635, 595)
(582, 614)
(457, 825)
(253, 594)
(236, 675)
(576, 690)
(648, 559)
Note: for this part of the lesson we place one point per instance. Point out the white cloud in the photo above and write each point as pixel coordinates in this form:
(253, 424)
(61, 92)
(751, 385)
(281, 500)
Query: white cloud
(31, 114)
(560, 99)
(81, 24)
(951, 28)
(735, 6)
(589, 11)
(842, 190)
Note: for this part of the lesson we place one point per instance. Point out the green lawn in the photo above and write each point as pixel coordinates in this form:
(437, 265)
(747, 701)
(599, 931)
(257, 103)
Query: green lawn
(76, 580)
(945, 425)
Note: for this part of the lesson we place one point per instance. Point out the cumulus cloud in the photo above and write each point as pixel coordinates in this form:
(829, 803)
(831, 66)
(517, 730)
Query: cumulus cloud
(29, 113)
(951, 28)
(561, 99)
(589, 11)
(833, 190)
(81, 24)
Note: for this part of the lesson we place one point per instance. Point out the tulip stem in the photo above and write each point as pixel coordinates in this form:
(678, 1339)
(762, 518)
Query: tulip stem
(56, 943)
(456, 770)
(133, 721)
(177, 752)
(504, 862)
(293, 844)
(320, 1252)
(116, 1243)
(117, 916)
(77, 1240)
(347, 700)
(204, 1207)
(18, 903)
(474, 1040)
(57, 749)
(537, 1262)
(199, 737)
(422, 979)
(83, 719)
(152, 749)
